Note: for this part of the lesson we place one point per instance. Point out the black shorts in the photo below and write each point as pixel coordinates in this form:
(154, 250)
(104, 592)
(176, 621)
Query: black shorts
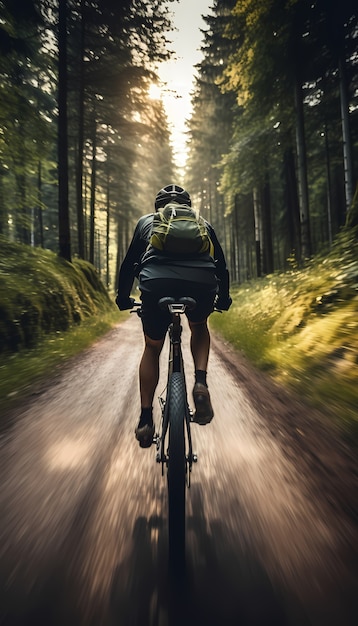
(155, 322)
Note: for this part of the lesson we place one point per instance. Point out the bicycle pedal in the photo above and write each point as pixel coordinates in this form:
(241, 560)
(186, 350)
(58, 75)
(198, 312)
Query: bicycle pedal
(193, 458)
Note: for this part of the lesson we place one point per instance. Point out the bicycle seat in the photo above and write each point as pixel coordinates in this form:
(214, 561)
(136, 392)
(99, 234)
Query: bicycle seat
(188, 303)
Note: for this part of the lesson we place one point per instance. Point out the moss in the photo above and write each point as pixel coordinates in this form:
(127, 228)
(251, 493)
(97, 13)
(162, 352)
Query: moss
(40, 293)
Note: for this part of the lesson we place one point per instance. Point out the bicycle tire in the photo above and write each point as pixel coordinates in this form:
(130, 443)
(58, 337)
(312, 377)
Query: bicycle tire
(176, 472)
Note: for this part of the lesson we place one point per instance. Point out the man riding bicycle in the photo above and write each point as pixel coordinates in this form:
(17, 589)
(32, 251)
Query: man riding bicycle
(202, 276)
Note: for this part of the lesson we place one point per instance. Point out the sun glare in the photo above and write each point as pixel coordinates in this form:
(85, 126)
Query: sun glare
(154, 92)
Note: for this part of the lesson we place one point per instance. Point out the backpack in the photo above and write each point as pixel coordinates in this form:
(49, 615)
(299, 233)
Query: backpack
(179, 229)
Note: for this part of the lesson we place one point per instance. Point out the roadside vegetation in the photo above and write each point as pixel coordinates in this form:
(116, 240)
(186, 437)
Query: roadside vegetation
(49, 310)
(301, 327)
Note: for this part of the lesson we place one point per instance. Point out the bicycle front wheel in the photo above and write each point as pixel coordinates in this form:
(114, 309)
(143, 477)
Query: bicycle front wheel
(176, 472)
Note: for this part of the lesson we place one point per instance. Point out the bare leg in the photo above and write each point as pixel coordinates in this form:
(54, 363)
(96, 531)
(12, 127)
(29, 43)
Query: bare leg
(200, 344)
(200, 347)
(149, 370)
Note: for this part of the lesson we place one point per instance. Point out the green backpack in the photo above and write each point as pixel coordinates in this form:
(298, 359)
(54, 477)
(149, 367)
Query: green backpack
(179, 229)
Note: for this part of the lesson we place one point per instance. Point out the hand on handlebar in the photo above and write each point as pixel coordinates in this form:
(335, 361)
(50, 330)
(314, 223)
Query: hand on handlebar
(124, 303)
(222, 303)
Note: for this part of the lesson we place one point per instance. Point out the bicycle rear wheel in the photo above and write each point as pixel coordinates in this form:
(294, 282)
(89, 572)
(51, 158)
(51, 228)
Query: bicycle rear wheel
(176, 473)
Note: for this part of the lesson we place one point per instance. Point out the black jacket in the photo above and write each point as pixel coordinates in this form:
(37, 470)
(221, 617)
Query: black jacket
(146, 263)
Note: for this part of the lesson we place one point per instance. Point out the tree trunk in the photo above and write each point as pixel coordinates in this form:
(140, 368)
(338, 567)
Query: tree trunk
(257, 220)
(85, 215)
(108, 204)
(236, 245)
(4, 217)
(93, 194)
(347, 144)
(302, 174)
(79, 168)
(292, 206)
(329, 185)
(38, 228)
(267, 229)
(352, 215)
(23, 218)
(63, 205)
(98, 261)
(119, 255)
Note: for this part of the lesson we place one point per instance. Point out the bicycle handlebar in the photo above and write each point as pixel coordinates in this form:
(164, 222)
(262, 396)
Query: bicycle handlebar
(137, 308)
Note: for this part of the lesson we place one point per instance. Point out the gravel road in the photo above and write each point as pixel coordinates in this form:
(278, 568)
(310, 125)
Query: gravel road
(272, 509)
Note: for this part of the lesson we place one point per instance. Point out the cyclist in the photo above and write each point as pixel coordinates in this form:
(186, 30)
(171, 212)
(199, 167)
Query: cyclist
(200, 276)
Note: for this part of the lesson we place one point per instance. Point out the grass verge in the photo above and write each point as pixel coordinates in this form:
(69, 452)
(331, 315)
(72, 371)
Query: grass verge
(301, 327)
(20, 371)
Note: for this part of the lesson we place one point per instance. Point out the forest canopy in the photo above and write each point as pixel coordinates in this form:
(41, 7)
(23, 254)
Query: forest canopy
(272, 141)
(82, 145)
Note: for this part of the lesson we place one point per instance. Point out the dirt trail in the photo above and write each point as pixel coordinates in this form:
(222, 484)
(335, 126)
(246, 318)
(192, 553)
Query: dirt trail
(272, 524)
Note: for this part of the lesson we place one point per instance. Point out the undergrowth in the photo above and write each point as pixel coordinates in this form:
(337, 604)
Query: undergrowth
(50, 310)
(21, 370)
(302, 328)
(40, 294)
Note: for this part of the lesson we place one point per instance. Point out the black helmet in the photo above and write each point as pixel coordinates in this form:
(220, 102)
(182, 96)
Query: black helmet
(170, 193)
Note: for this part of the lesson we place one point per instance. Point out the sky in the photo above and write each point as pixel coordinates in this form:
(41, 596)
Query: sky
(178, 74)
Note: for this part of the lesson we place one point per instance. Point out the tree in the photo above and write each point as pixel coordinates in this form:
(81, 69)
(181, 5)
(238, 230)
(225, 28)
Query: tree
(63, 208)
(210, 127)
(25, 115)
(278, 70)
(113, 51)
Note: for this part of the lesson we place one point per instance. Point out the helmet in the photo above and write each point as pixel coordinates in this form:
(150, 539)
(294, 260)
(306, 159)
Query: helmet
(170, 193)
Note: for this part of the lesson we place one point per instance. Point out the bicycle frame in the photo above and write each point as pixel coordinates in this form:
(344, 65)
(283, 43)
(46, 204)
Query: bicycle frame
(175, 364)
(177, 455)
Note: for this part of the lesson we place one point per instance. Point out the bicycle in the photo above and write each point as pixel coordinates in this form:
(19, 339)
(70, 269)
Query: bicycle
(174, 442)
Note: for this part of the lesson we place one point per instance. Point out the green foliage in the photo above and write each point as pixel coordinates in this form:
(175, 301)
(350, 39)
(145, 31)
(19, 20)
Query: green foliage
(21, 370)
(352, 215)
(114, 128)
(27, 109)
(302, 327)
(41, 294)
(271, 56)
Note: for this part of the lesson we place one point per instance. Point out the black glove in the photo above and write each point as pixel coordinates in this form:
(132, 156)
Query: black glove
(124, 303)
(223, 303)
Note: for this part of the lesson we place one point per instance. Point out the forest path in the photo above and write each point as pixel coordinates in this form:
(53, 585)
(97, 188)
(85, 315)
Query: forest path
(271, 525)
